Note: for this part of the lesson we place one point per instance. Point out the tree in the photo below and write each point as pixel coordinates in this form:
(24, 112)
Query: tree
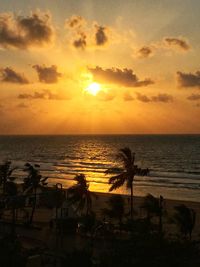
(116, 208)
(80, 195)
(126, 173)
(6, 174)
(154, 207)
(13, 200)
(32, 183)
(185, 219)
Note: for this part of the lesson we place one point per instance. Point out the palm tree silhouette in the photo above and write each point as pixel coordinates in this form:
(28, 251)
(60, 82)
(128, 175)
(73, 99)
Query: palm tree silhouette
(154, 207)
(6, 174)
(116, 208)
(11, 201)
(126, 173)
(185, 219)
(80, 195)
(32, 183)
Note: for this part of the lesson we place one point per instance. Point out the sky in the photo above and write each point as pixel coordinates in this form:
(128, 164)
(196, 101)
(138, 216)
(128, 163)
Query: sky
(99, 67)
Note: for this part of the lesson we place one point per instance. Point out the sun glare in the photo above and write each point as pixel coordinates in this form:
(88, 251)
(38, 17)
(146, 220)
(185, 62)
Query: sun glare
(93, 89)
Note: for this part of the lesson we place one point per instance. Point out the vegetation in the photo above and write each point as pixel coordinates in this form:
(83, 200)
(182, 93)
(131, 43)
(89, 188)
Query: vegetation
(6, 171)
(126, 173)
(80, 195)
(136, 244)
(32, 183)
(116, 208)
(154, 207)
(185, 219)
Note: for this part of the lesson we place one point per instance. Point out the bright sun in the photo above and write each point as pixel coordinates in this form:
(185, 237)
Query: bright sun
(93, 89)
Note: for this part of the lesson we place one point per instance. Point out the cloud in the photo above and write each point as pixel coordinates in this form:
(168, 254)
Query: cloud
(188, 79)
(75, 21)
(167, 43)
(194, 97)
(177, 43)
(81, 41)
(128, 97)
(143, 98)
(100, 35)
(145, 52)
(164, 98)
(123, 77)
(47, 74)
(11, 76)
(87, 34)
(45, 94)
(22, 105)
(24, 32)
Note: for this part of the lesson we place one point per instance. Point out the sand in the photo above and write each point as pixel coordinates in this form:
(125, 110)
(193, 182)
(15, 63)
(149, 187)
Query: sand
(43, 216)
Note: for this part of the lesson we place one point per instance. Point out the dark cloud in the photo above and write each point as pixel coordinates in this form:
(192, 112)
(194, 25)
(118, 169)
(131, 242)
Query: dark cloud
(164, 98)
(45, 94)
(81, 30)
(11, 76)
(75, 21)
(128, 97)
(100, 35)
(145, 52)
(188, 79)
(143, 98)
(194, 97)
(47, 74)
(177, 42)
(81, 41)
(124, 77)
(23, 32)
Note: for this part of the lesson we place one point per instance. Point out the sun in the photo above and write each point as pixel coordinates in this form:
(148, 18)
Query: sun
(93, 88)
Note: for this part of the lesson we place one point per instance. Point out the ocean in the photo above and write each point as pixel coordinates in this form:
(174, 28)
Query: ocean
(173, 160)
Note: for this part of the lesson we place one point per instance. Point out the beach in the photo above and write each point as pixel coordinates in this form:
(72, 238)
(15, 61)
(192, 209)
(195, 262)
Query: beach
(43, 215)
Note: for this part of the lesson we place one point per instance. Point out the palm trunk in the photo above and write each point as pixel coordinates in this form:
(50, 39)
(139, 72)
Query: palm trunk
(132, 201)
(160, 216)
(34, 207)
(160, 223)
(4, 187)
(13, 223)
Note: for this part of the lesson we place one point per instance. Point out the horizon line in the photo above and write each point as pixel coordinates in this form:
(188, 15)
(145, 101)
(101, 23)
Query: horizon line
(97, 134)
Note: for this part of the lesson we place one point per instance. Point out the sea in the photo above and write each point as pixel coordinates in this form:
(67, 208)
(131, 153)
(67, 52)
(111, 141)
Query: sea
(173, 160)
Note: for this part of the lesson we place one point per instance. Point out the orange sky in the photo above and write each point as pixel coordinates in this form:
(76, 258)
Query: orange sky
(143, 55)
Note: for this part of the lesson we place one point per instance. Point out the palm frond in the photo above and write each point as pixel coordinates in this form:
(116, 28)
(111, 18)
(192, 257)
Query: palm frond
(118, 183)
(113, 170)
(116, 178)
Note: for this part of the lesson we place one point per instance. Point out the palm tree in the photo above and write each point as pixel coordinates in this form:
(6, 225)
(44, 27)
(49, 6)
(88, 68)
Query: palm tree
(11, 201)
(6, 174)
(116, 208)
(80, 195)
(185, 219)
(32, 183)
(126, 173)
(154, 207)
